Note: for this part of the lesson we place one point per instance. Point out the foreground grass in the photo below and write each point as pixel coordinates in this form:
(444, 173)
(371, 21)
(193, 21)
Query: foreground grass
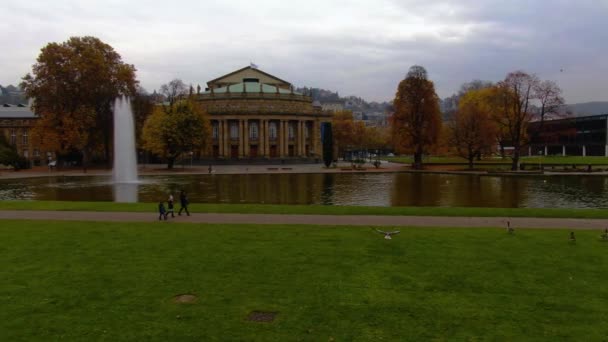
(310, 209)
(112, 281)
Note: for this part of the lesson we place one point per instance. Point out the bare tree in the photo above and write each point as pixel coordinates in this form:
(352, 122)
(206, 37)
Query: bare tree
(174, 90)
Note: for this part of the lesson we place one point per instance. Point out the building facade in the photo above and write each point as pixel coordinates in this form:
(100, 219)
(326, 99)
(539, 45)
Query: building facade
(16, 123)
(255, 115)
(578, 136)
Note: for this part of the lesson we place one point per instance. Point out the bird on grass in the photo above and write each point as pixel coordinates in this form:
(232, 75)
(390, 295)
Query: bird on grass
(387, 235)
(604, 236)
(510, 229)
(572, 238)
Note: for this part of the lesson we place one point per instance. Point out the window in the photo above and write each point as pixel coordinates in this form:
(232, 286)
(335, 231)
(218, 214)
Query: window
(253, 130)
(272, 130)
(292, 130)
(36, 153)
(24, 141)
(216, 131)
(26, 153)
(234, 130)
(13, 137)
(306, 131)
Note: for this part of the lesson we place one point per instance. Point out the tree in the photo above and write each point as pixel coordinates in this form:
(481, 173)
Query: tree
(342, 124)
(9, 155)
(549, 97)
(472, 129)
(174, 90)
(416, 122)
(142, 104)
(175, 129)
(74, 85)
(512, 99)
(328, 143)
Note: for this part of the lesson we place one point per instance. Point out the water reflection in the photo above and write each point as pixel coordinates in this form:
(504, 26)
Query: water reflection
(401, 189)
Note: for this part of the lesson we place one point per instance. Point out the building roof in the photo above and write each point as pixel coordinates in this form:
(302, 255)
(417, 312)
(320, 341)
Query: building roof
(14, 112)
(250, 87)
(245, 68)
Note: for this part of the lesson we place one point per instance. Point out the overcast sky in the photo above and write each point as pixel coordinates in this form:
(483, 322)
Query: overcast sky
(361, 48)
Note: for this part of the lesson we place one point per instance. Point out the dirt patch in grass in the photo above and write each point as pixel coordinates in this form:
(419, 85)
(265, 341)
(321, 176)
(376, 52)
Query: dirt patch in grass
(262, 316)
(185, 298)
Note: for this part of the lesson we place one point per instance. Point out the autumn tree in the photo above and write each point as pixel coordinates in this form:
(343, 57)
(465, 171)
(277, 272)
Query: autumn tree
(472, 129)
(142, 105)
(342, 124)
(512, 101)
(74, 85)
(416, 122)
(549, 101)
(175, 129)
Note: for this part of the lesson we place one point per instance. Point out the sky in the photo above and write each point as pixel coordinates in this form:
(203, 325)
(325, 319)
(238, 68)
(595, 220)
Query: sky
(361, 48)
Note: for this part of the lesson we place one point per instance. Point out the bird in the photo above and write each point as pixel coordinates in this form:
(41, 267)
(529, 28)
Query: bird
(604, 236)
(387, 235)
(572, 238)
(510, 229)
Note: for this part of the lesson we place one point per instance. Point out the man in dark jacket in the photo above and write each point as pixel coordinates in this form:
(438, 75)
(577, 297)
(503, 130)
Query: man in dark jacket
(183, 201)
(162, 213)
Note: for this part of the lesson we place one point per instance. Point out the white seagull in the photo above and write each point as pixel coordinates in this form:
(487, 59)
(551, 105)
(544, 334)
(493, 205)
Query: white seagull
(387, 235)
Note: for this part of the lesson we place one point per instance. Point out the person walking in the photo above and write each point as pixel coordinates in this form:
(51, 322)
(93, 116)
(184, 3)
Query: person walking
(170, 206)
(183, 202)
(162, 213)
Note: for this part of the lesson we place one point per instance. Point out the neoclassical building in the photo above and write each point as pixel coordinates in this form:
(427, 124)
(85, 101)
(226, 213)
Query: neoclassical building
(258, 115)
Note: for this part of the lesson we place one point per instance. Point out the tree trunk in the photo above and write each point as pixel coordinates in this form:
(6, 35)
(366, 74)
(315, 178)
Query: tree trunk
(515, 163)
(502, 151)
(170, 162)
(85, 160)
(418, 158)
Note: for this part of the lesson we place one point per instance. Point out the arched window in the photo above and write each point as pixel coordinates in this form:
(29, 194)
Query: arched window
(234, 130)
(292, 130)
(216, 130)
(13, 136)
(272, 130)
(253, 130)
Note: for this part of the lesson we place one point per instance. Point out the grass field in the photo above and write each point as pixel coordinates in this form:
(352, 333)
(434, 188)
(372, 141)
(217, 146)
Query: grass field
(112, 281)
(569, 160)
(311, 209)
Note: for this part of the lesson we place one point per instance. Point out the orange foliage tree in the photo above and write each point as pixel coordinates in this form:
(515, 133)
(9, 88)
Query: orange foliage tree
(343, 128)
(416, 123)
(74, 85)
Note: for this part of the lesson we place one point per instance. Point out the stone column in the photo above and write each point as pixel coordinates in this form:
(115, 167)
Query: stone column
(240, 138)
(546, 150)
(226, 138)
(316, 138)
(584, 151)
(563, 150)
(246, 139)
(299, 139)
(282, 139)
(266, 139)
(529, 151)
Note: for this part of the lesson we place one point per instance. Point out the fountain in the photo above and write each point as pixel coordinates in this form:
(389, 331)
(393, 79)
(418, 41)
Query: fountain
(125, 159)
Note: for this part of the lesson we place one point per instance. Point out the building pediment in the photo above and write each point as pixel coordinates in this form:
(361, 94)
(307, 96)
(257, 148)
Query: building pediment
(248, 74)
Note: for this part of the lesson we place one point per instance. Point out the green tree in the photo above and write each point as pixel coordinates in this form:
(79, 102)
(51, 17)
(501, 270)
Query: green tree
(416, 123)
(176, 129)
(9, 155)
(74, 85)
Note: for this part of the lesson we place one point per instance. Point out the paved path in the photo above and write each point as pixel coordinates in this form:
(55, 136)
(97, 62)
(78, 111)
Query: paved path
(349, 220)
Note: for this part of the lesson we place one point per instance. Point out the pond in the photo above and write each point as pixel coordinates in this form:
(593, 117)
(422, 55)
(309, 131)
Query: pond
(373, 189)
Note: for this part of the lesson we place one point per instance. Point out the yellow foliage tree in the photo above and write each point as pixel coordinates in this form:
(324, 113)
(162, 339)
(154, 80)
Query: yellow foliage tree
(175, 129)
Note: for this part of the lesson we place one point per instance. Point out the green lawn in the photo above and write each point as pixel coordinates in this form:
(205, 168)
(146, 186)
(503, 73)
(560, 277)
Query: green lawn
(576, 160)
(311, 209)
(112, 281)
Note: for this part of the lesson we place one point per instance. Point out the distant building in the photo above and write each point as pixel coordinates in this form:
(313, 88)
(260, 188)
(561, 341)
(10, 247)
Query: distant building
(258, 115)
(16, 123)
(332, 106)
(579, 136)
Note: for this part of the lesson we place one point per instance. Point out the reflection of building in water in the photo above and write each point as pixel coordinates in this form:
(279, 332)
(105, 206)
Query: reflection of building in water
(258, 115)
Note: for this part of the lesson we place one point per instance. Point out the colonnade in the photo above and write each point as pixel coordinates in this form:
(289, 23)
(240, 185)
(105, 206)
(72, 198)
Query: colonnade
(266, 138)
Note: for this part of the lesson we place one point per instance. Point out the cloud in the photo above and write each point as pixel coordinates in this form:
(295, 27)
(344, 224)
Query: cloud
(355, 47)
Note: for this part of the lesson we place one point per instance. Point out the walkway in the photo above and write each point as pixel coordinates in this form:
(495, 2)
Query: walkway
(342, 220)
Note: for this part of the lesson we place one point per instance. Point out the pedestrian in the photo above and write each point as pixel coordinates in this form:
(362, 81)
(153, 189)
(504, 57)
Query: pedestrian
(170, 206)
(162, 213)
(183, 202)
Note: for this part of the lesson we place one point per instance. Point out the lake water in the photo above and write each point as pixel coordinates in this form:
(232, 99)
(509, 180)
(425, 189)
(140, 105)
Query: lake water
(380, 189)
